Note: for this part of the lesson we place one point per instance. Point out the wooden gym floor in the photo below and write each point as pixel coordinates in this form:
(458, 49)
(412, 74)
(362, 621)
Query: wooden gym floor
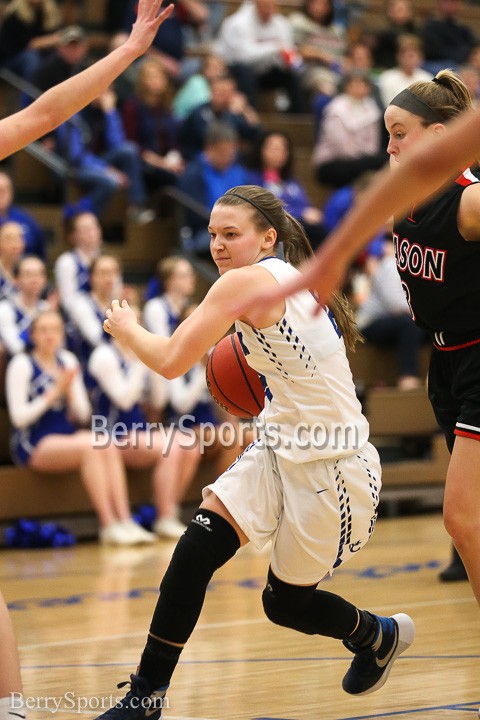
(81, 617)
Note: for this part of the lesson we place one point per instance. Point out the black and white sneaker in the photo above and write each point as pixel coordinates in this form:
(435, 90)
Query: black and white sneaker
(371, 665)
(139, 703)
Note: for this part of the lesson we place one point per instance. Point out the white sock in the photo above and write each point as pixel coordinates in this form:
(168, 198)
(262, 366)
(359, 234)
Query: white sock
(12, 707)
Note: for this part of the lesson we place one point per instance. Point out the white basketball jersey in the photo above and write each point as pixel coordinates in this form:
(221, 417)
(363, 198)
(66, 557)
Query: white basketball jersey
(311, 409)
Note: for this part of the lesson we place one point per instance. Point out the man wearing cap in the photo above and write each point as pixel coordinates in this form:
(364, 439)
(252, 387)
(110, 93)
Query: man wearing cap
(68, 58)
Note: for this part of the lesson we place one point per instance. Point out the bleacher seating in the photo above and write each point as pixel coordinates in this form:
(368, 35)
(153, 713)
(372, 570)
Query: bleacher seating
(391, 413)
(401, 415)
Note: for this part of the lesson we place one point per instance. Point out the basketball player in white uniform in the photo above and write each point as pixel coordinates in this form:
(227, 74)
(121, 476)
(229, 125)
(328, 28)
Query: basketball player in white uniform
(309, 483)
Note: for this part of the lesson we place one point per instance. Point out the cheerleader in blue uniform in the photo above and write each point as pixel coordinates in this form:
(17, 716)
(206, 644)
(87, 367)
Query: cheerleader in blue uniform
(12, 246)
(88, 311)
(162, 314)
(17, 313)
(47, 403)
(120, 383)
(72, 268)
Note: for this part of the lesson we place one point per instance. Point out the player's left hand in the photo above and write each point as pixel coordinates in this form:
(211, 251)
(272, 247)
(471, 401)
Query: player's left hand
(149, 19)
(120, 319)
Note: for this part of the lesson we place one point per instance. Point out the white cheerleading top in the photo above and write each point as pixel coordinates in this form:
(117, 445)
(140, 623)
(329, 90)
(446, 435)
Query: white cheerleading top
(311, 409)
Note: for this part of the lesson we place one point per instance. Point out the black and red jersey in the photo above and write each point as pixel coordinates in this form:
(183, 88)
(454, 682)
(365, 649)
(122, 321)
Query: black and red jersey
(439, 269)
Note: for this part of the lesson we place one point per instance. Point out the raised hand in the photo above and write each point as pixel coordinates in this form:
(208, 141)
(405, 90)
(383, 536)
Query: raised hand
(149, 19)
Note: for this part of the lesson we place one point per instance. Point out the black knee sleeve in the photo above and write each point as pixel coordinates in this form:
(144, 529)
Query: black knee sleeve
(308, 610)
(207, 544)
(282, 601)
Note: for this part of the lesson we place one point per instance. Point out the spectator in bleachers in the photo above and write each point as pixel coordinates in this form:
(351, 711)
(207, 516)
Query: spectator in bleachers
(400, 20)
(114, 17)
(321, 43)
(342, 200)
(169, 43)
(384, 318)
(124, 85)
(12, 246)
(359, 58)
(67, 59)
(470, 75)
(72, 267)
(104, 174)
(474, 56)
(27, 28)
(176, 276)
(257, 43)
(87, 312)
(226, 105)
(271, 167)
(446, 40)
(149, 123)
(195, 91)
(117, 395)
(33, 235)
(350, 139)
(205, 179)
(407, 71)
(17, 314)
(47, 403)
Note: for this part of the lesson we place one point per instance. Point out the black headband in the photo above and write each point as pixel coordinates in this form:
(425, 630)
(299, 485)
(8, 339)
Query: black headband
(254, 204)
(412, 103)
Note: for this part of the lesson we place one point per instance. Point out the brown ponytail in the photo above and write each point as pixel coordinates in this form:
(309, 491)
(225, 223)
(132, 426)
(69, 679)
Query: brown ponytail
(447, 94)
(268, 211)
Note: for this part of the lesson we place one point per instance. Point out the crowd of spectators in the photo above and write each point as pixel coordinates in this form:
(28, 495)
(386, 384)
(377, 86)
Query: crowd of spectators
(188, 115)
(208, 66)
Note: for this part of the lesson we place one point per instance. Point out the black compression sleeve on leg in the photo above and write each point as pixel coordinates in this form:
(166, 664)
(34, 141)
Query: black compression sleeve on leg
(207, 544)
(310, 611)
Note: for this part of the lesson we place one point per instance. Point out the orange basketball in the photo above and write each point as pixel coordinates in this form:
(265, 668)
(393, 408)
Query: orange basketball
(232, 383)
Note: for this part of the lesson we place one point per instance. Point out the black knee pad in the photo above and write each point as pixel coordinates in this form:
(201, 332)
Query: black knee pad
(283, 603)
(308, 610)
(208, 542)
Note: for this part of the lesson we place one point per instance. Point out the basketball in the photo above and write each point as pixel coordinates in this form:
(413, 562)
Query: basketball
(232, 383)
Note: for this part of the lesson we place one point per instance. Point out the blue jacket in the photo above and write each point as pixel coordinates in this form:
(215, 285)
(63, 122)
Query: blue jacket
(205, 185)
(290, 192)
(73, 146)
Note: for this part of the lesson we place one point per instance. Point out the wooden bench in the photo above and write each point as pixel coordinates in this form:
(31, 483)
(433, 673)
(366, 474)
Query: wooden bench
(24, 493)
(394, 416)
(372, 365)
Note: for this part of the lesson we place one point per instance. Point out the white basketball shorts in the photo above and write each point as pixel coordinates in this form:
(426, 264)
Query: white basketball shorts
(318, 514)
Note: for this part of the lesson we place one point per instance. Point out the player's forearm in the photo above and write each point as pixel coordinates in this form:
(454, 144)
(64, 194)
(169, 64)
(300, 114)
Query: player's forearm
(149, 348)
(56, 105)
(64, 100)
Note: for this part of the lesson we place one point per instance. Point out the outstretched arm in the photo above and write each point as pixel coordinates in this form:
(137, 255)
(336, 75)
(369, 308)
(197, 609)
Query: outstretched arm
(208, 323)
(64, 100)
(423, 171)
